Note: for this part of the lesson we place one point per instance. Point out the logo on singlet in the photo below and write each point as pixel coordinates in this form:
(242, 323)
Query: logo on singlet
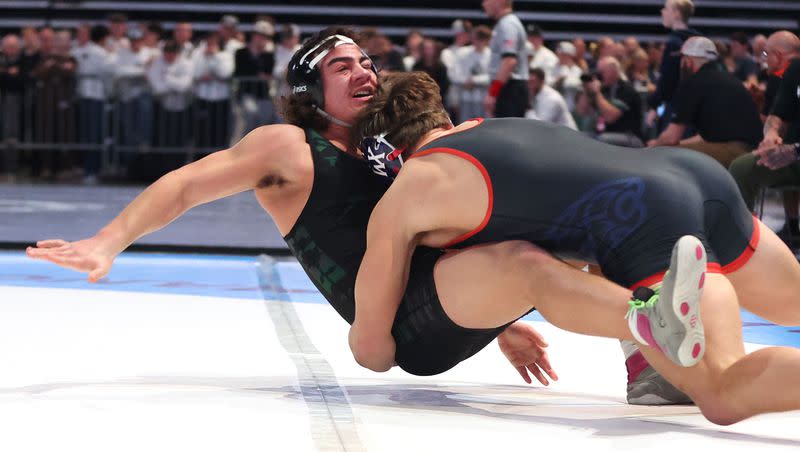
(318, 265)
(610, 212)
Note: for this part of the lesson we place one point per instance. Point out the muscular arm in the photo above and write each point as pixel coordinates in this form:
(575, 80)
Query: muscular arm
(219, 175)
(407, 210)
(507, 65)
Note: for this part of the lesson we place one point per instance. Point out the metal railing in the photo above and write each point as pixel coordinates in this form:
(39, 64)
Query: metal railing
(111, 125)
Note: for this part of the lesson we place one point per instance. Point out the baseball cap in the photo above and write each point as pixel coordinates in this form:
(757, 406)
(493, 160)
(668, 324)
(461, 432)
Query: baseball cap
(229, 21)
(701, 47)
(566, 47)
(264, 27)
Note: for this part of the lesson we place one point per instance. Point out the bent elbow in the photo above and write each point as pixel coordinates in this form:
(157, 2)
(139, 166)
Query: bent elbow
(368, 357)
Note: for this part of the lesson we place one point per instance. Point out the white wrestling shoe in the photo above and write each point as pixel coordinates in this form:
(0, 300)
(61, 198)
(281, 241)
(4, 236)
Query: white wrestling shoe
(668, 317)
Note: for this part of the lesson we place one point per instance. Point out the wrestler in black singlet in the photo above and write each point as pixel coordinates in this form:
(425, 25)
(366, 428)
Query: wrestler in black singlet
(621, 208)
(329, 240)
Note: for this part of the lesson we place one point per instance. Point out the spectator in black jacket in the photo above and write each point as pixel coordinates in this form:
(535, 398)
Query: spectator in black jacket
(715, 103)
(675, 16)
(253, 65)
(15, 69)
(783, 62)
(618, 105)
(431, 63)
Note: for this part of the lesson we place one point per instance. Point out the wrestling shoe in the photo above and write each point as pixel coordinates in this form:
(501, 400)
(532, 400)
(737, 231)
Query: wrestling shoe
(668, 317)
(648, 387)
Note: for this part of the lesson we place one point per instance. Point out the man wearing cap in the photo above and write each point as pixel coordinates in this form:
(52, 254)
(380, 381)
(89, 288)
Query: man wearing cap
(508, 69)
(228, 34)
(543, 57)
(567, 74)
(715, 103)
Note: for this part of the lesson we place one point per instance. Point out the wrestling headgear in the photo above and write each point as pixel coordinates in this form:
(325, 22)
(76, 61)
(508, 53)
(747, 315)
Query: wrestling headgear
(383, 158)
(303, 74)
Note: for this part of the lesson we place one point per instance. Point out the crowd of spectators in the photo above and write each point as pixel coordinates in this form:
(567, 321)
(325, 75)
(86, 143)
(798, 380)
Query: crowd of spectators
(142, 91)
(147, 93)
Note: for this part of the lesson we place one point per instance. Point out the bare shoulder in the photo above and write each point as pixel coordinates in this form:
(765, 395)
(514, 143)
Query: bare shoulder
(273, 140)
(418, 195)
(421, 175)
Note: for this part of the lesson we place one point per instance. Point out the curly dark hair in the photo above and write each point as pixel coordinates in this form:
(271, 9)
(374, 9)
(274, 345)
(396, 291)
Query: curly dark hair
(299, 109)
(406, 107)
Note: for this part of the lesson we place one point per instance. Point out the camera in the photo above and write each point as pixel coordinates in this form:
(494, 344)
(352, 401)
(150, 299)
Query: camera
(594, 75)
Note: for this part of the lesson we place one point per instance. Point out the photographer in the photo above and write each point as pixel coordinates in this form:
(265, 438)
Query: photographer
(617, 103)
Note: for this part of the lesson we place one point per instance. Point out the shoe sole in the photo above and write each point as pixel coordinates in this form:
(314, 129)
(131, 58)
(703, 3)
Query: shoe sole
(689, 264)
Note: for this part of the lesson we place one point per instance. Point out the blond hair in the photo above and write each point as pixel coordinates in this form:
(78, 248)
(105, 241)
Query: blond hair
(685, 8)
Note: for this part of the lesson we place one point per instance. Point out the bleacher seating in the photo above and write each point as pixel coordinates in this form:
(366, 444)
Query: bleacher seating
(560, 18)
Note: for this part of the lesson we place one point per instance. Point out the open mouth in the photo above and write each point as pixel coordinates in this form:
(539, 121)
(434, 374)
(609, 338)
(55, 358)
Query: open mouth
(363, 94)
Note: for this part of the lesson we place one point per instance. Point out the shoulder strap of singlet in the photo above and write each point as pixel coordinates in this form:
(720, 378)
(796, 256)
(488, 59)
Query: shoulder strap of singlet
(477, 164)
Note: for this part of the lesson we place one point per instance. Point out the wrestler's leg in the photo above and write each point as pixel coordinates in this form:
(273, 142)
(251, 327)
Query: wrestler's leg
(728, 385)
(488, 286)
(769, 283)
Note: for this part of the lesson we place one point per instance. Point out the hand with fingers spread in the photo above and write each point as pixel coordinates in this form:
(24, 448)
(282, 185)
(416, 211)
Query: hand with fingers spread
(89, 256)
(525, 349)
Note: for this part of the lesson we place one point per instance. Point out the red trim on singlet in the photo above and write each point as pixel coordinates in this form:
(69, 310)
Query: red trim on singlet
(714, 267)
(748, 252)
(486, 178)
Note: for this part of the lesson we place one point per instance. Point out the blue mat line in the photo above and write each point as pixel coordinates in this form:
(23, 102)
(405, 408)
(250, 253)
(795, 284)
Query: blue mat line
(235, 277)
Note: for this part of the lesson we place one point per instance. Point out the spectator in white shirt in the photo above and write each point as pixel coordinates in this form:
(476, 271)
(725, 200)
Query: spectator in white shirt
(543, 57)
(170, 78)
(95, 68)
(133, 93)
(471, 74)
(152, 36)
(289, 42)
(212, 75)
(229, 34)
(462, 35)
(182, 34)
(118, 26)
(546, 103)
(567, 74)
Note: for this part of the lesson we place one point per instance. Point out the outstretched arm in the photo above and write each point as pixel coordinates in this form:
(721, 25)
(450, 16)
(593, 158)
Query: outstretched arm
(219, 175)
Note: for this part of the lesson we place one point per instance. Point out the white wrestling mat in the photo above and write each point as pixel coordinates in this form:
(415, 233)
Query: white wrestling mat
(147, 363)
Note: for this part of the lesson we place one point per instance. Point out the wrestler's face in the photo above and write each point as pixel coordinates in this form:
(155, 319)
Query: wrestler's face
(347, 81)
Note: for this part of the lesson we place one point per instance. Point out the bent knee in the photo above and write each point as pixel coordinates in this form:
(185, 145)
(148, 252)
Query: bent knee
(521, 253)
(717, 409)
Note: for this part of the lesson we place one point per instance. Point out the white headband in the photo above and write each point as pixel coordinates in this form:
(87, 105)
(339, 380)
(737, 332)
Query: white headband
(340, 40)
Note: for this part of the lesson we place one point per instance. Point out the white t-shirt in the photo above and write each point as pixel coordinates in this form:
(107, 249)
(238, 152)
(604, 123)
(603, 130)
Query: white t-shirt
(550, 106)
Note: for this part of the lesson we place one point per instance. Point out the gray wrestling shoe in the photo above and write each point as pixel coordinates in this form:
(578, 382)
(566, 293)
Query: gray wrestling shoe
(648, 387)
(668, 317)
